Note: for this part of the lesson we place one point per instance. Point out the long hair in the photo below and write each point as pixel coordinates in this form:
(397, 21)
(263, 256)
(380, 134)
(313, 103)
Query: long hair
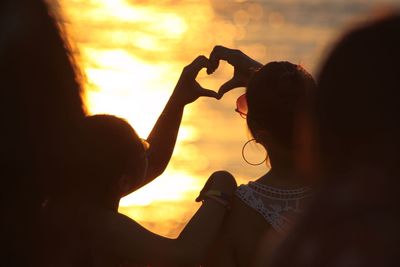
(41, 109)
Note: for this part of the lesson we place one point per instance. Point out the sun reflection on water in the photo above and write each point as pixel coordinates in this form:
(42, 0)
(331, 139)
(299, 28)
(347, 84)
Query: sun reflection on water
(132, 56)
(118, 80)
(132, 53)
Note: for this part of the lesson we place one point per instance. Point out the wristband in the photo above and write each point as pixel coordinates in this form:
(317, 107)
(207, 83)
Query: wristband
(216, 195)
(219, 200)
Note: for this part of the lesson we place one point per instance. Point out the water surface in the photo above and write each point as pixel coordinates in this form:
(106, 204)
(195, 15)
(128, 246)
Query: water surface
(132, 53)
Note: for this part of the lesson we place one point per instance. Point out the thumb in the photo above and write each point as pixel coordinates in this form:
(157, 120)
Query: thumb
(208, 93)
(205, 188)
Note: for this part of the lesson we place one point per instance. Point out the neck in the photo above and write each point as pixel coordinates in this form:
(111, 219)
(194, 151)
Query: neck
(115, 204)
(280, 178)
(283, 172)
(110, 203)
(282, 164)
(73, 200)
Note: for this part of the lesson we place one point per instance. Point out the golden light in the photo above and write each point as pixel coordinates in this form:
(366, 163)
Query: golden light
(124, 82)
(132, 55)
(170, 25)
(119, 10)
(169, 187)
(133, 51)
(119, 80)
(147, 42)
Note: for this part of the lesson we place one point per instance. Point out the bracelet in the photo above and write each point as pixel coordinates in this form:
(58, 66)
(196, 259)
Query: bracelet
(220, 201)
(218, 196)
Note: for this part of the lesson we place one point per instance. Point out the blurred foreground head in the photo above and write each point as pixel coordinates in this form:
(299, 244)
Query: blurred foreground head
(354, 220)
(40, 109)
(358, 111)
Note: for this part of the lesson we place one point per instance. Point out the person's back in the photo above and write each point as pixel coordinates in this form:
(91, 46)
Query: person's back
(256, 214)
(269, 206)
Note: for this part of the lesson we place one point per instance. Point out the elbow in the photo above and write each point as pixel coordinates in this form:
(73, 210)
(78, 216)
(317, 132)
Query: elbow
(156, 166)
(154, 172)
(159, 170)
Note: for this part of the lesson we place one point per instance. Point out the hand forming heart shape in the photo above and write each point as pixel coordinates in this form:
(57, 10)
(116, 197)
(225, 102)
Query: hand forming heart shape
(188, 89)
(244, 67)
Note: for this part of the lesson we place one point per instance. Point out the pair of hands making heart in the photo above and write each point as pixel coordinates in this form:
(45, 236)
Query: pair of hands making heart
(188, 89)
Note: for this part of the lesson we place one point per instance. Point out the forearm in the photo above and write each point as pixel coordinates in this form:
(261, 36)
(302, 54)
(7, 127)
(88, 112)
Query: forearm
(163, 137)
(129, 242)
(250, 64)
(201, 231)
(134, 244)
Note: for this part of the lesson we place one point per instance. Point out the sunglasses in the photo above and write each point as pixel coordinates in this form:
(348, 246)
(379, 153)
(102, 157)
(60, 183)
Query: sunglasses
(241, 106)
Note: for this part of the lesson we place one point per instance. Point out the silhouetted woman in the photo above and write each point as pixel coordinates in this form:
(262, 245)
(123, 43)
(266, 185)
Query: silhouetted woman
(274, 100)
(355, 218)
(113, 163)
(42, 115)
(114, 160)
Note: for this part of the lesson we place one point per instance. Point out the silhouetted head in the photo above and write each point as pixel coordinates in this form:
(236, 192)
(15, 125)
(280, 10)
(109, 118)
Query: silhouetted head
(275, 96)
(115, 159)
(358, 111)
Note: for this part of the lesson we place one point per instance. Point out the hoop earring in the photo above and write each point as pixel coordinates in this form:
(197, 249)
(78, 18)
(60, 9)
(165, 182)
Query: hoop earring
(244, 157)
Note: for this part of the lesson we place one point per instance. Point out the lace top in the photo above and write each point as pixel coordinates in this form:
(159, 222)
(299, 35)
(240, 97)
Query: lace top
(277, 206)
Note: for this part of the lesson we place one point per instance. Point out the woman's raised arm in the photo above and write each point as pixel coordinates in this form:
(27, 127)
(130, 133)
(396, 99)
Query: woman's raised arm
(162, 138)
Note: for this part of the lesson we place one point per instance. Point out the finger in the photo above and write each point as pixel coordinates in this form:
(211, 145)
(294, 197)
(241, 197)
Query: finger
(218, 53)
(213, 66)
(194, 68)
(208, 93)
(228, 86)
